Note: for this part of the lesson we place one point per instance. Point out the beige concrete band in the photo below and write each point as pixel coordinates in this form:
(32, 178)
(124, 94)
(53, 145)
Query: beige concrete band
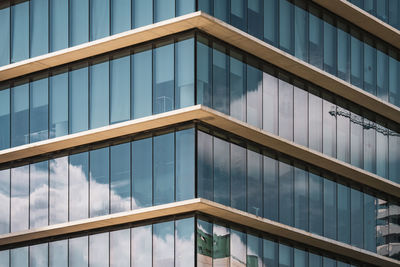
(363, 19)
(214, 118)
(210, 208)
(221, 31)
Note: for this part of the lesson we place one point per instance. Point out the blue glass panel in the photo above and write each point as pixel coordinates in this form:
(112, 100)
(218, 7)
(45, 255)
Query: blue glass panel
(316, 204)
(164, 168)
(204, 246)
(163, 244)
(205, 165)
(20, 31)
(300, 30)
(99, 182)
(38, 255)
(205, 6)
(394, 79)
(142, 13)
(314, 121)
(20, 115)
(99, 19)
(327, 262)
(285, 110)
(369, 67)
(270, 253)
(238, 249)
(330, 44)
(184, 242)
(394, 158)
(39, 194)
(343, 203)
(142, 173)
(285, 193)
(79, 21)
(271, 21)
(99, 94)
(329, 127)
(254, 96)
(300, 116)
(5, 258)
(255, 17)
(163, 98)
(39, 110)
(221, 245)
(79, 186)
(343, 55)
(185, 161)
(120, 16)
(343, 133)
(185, 6)
(141, 242)
(357, 216)
(314, 260)
(270, 103)
(120, 89)
(78, 100)
(141, 84)
(254, 183)
(238, 177)
(120, 242)
(356, 59)
(184, 73)
(59, 105)
(394, 11)
(382, 10)
(221, 9)
(39, 25)
(58, 253)
(59, 24)
(382, 154)
(382, 78)
(286, 256)
(163, 9)
(300, 198)
(78, 251)
(5, 36)
(254, 250)
(300, 258)
(369, 151)
(221, 172)
(238, 14)
(370, 217)
(20, 198)
(330, 209)
(99, 250)
(58, 212)
(356, 143)
(5, 202)
(204, 72)
(5, 118)
(286, 26)
(19, 257)
(271, 180)
(316, 38)
(120, 167)
(237, 80)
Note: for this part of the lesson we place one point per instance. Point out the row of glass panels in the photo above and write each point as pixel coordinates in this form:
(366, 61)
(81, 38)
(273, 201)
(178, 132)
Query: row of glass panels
(36, 27)
(386, 10)
(161, 169)
(167, 244)
(147, 80)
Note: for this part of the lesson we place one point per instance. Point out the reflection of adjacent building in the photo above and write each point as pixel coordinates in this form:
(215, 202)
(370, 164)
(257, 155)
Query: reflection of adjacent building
(388, 229)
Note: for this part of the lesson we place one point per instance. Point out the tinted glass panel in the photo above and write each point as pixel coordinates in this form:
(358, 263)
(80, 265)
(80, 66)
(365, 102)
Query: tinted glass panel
(39, 110)
(185, 164)
(142, 173)
(58, 190)
(19, 199)
(38, 198)
(58, 24)
(99, 182)
(79, 186)
(164, 171)
(120, 167)
(5, 118)
(59, 105)
(39, 42)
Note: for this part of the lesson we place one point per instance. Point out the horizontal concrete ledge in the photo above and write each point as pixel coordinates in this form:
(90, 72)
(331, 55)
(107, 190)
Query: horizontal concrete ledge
(221, 31)
(214, 118)
(210, 208)
(363, 19)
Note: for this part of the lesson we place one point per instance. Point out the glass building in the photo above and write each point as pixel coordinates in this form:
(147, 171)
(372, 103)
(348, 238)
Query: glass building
(199, 133)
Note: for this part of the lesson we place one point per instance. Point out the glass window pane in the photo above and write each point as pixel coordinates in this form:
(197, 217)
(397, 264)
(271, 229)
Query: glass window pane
(221, 246)
(20, 31)
(286, 256)
(205, 165)
(221, 9)
(204, 246)
(79, 21)
(184, 242)
(270, 253)
(370, 218)
(120, 178)
(221, 171)
(285, 110)
(271, 21)
(315, 38)
(327, 262)
(394, 79)
(142, 13)
(394, 158)
(300, 198)
(120, 242)
(285, 25)
(39, 108)
(99, 182)
(382, 79)
(238, 249)
(142, 173)
(19, 257)
(120, 16)
(5, 118)
(141, 84)
(329, 127)
(369, 66)
(38, 255)
(79, 186)
(184, 85)
(330, 209)
(163, 98)
(343, 200)
(19, 199)
(255, 13)
(39, 192)
(238, 14)
(220, 79)
(357, 215)
(59, 105)
(329, 45)
(382, 152)
(237, 81)
(316, 204)
(254, 183)
(99, 250)
(39, 25)
(356, 59)
(271, 180)
(58, 253)
(164, 166)
(343, 56)
(163, 244)
(285, 193)
(300, 258)
(5, 35)
(315, 260)
(4, 201)
(238, 177)
(369, 146)
(78, 100)
(99, 19)
(99, 94)
(59, 190)
(254, 251)
(141, 255)
(78, 251)
(301, 30)
(254, 96)
(270, 103)
(300, 118)
(120, 89)
(204, 72)
(185, 161)
(184, 7)
(20, 115)
(314, 121)
(356, 140)
(343, 133)
(163, 9)
(58, 24)
(5, 258)
(205, 5)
